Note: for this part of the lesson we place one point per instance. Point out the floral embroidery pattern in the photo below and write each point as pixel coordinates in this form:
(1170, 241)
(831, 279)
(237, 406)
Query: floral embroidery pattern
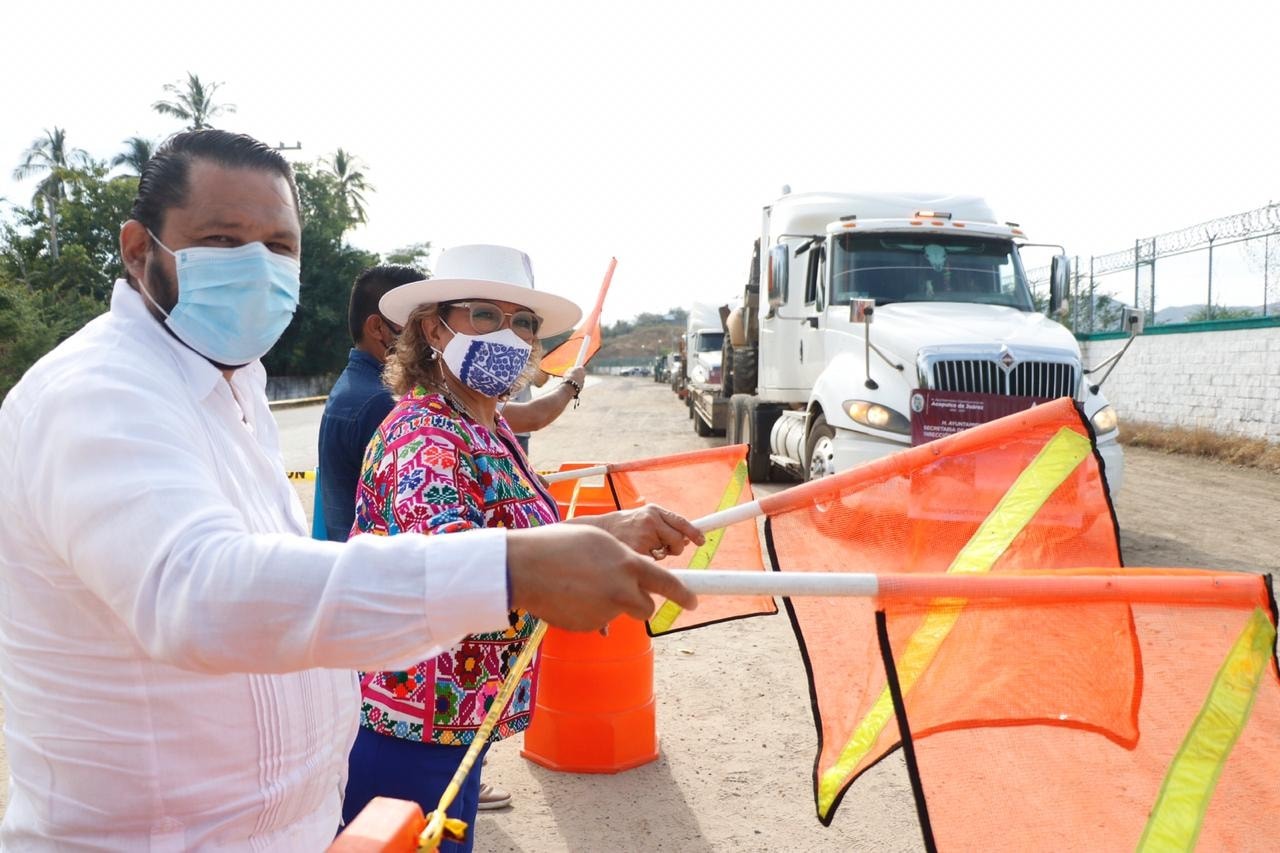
(428, 469)
(489, 365)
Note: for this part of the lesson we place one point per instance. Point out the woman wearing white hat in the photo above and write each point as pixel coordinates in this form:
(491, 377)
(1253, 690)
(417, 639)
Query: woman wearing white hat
(444, 461)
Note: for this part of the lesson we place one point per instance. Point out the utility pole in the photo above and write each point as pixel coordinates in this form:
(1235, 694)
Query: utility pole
(1209, 307)
(1075, 296)
(1137, 265)
(1092, 297)
(1266, 272)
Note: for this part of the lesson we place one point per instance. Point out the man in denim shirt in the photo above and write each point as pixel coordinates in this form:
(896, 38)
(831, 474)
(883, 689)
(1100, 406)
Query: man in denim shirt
(359, 401)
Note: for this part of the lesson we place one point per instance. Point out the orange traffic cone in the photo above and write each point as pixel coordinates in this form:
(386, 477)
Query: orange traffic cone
(594, 709)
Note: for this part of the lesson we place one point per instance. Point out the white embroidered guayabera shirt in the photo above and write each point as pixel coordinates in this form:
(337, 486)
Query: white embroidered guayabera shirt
(175, 654)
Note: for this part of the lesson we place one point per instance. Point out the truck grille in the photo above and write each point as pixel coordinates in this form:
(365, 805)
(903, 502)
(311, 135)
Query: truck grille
(1044, 379)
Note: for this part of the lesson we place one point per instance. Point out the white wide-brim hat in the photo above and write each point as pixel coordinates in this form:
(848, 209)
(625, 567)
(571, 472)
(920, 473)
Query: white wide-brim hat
(482, 272)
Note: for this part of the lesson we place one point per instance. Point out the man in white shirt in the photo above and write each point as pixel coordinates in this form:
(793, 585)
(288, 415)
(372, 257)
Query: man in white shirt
(175, 653)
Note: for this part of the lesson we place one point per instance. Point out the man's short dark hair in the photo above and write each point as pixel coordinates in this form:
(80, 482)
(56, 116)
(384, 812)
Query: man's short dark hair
(165, 177)
(369, 287)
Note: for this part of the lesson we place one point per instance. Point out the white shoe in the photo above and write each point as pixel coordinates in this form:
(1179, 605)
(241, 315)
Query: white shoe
(493, 797)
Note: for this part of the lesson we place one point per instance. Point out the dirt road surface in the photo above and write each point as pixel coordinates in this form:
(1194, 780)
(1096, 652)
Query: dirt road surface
(736, 734)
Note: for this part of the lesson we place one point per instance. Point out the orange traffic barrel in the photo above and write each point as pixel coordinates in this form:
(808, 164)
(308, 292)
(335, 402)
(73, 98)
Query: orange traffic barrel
(383, 826)
(594, 708)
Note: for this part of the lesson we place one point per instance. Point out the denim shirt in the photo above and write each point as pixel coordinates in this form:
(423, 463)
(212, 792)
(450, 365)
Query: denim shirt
(356, 406)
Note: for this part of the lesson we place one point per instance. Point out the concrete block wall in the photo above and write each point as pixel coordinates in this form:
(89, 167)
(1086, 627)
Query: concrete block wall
(294, 387)
(1227, 380)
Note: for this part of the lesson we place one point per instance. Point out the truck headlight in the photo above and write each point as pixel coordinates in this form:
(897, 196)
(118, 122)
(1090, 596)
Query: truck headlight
(1105, 420)
(877, 416)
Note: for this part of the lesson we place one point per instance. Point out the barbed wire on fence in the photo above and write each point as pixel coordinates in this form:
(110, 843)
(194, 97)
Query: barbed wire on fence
(1249, 225)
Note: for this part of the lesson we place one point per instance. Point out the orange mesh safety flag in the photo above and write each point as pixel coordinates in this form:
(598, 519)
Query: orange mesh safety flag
(694, 484)
(697, 484)
(585, 340)
(1026, 490)
(1201, 772)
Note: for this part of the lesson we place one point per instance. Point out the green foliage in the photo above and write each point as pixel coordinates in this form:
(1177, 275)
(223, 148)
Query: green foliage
(136, 153)
(89, 220)
(24, 334)
(414, 255)
(59, 256)
(48, 296)
(1107, 313)
(345, 166)
(1208, 314)
(676, 316)
(192, 101)
(314, 342)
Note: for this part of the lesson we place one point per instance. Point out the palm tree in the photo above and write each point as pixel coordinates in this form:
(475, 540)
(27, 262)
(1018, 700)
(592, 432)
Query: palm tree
(192, 103)
(49, 153)
(137, 152)
(352, 182)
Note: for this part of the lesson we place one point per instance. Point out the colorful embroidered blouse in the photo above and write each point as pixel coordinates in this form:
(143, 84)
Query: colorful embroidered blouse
(430, 469)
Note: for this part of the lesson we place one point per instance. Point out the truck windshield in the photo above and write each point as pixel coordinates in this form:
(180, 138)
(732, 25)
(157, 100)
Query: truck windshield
(710, 341)
(928, 268)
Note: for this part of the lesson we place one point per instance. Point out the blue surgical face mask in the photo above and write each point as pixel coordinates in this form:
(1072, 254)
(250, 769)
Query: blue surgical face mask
(233, 304)
(489, 364)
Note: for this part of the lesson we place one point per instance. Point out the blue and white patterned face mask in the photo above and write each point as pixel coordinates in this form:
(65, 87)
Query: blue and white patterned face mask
(489, 364)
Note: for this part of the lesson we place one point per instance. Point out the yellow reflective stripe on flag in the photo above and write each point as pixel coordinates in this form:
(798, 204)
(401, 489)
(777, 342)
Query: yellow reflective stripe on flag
(1055, 462)
(1192, 775)
(667, 614)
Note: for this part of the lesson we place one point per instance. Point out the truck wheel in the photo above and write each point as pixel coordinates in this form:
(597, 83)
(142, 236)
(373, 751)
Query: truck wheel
(819, 450)
(745, 370)
(688, 403)
(757, 420)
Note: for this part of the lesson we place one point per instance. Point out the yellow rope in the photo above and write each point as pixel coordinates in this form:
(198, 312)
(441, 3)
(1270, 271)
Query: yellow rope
(439, 825)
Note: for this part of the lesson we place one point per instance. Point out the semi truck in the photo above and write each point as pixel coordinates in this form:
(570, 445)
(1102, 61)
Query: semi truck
(704, 381)
(872, 322)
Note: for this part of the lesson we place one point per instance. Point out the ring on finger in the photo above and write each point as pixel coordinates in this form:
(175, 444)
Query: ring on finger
(659, 552)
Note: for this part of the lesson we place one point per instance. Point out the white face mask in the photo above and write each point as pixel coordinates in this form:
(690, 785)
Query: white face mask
(489, 364)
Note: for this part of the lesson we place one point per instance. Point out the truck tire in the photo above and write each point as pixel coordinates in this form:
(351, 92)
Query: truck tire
(701, 427)
(758, 418)
(745, 370)
(688, 404)
(818, 449)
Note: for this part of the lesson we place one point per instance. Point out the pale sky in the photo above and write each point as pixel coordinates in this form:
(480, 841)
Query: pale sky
(656, 131)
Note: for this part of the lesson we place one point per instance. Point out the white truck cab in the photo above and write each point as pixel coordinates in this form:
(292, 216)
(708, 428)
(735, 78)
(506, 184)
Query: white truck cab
(874, 322)
(703, 345)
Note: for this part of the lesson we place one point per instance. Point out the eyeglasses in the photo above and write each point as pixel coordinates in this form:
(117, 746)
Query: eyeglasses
(487, 317)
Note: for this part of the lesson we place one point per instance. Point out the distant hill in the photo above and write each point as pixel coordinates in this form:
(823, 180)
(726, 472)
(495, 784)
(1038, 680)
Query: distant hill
(1108, 312)
(1180, 313)
(642, 341)
(638, 340)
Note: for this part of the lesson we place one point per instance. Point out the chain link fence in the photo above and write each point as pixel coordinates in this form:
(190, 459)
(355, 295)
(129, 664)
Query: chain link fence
(1224, 269)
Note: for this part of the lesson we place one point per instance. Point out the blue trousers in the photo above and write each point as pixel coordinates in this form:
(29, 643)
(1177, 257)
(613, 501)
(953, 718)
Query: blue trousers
(386, 766)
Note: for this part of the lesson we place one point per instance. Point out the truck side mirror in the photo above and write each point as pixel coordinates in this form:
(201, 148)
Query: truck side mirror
(1059, 277)
(779, 263)
(861, 310)
(1133, 321)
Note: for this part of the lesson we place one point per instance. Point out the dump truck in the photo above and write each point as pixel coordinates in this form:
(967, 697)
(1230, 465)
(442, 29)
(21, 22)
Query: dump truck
(872, 322)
